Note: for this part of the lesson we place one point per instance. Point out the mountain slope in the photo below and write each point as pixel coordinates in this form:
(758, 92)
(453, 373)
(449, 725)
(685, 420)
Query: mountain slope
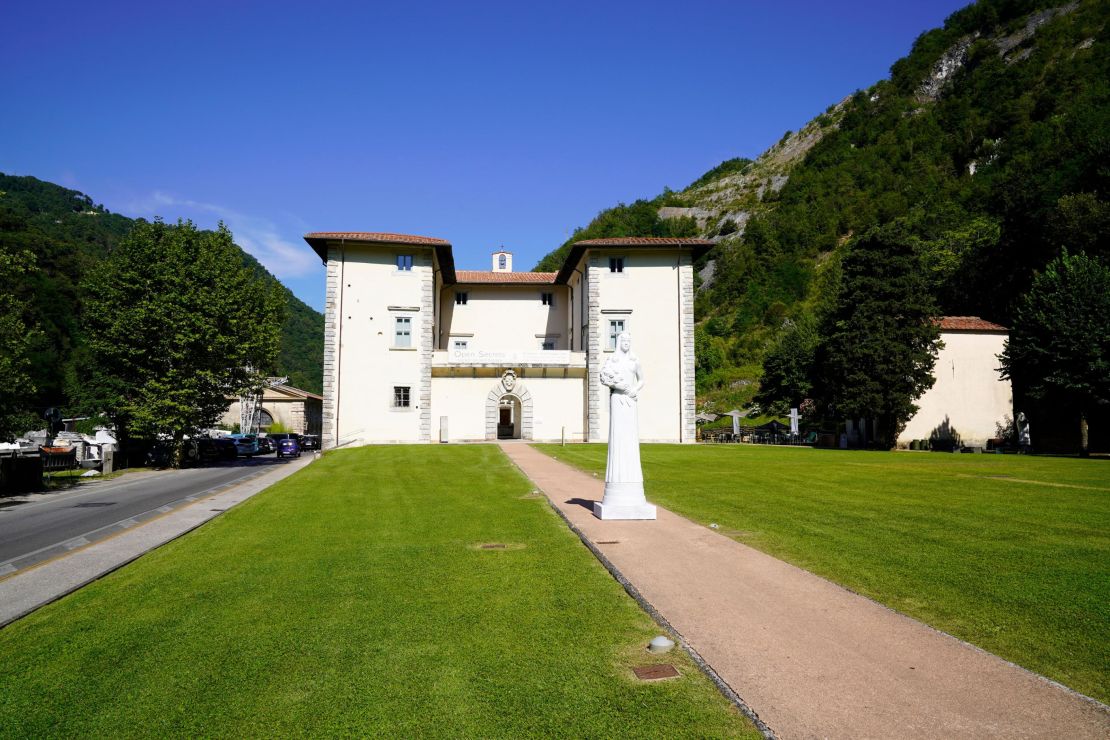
(989, 142)
(68, 233)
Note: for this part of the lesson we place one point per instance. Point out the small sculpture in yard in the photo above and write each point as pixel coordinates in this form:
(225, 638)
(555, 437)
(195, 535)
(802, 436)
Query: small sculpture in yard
(624, 478)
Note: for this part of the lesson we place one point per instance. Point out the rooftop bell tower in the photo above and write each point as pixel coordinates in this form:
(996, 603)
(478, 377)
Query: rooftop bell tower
(502, 261)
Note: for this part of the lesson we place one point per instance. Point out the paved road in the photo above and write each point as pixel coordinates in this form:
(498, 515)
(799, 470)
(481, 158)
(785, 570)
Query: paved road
(41, 526)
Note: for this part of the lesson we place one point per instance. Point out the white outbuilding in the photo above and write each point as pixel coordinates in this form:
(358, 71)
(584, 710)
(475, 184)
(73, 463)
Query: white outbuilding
(969, 400)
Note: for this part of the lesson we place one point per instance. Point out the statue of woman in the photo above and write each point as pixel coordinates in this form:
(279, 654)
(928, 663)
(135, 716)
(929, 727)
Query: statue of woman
(624, 478)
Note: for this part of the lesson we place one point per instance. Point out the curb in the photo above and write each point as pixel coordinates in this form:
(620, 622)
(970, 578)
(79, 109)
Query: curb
(24, 592)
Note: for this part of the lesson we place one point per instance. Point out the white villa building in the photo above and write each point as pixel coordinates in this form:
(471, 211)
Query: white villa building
(416, 351)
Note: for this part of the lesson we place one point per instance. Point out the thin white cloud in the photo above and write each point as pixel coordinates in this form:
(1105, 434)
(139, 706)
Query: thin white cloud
(259, 236)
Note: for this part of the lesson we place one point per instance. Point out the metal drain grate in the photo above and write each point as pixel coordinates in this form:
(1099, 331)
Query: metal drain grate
(493, 546)
(95, 505)
(608, 542)
(655, 672)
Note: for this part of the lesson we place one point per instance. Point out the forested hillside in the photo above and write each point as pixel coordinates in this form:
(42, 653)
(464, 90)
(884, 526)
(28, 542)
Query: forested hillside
(67, 233)
(988, 149)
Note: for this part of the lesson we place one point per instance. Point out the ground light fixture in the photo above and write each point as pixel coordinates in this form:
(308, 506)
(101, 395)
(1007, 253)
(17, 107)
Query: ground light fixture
(660, 644)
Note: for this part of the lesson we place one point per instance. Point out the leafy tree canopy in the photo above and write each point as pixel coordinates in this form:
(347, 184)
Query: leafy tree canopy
(19, 336)
(68, 234)
(788, 367)
(176, 324)
(880, 342)
(1059, 345)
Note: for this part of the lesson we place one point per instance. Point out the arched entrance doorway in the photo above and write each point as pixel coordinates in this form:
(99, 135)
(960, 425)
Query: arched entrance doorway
(508, 417)
(509, 407)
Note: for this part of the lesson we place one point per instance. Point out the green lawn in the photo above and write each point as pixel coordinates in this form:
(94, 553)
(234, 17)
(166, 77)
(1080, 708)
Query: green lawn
(1011, 553)
(353, 599)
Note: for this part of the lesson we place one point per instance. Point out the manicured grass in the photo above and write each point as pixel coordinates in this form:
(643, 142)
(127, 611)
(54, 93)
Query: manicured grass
(1010, 553)
(353, 599)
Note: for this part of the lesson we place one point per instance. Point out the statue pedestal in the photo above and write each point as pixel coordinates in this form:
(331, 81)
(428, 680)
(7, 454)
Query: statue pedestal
(624, 501)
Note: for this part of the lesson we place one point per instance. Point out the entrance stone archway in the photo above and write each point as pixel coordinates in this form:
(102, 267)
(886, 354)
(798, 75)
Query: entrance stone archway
(509, 387)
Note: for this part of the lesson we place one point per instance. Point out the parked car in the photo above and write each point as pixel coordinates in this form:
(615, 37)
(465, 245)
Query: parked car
(158, 455)
(200, 451)
(226, 448)
(310, 442)
(245, 444)
(265, 445)
(277, 436)
(288, 447)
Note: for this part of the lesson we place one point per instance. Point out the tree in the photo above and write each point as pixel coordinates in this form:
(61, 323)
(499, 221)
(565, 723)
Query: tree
(174, 326)
(787, 368)
(880, 342)
(18, 336)
(1059, 345)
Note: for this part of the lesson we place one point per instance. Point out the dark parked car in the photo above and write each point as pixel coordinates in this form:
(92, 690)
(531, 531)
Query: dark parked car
(288, 447)
(200, 451)
(310, 442)
(225, 448)
(265, 445)
(278, 436)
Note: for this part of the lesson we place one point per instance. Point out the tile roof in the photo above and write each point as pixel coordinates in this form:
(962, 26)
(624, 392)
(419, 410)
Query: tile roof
(318, 240)
(577, 249)
(644, 241)
(379, 236)
(481, 276)
(967, 323)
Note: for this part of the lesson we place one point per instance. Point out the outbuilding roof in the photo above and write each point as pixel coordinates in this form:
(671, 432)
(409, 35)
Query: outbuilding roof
(968, 323)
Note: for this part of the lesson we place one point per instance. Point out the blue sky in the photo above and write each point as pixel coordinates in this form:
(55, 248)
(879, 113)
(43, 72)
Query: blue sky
(483, 123)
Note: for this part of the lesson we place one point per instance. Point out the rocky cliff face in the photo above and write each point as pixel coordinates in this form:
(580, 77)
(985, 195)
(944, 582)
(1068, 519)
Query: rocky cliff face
(722, 207)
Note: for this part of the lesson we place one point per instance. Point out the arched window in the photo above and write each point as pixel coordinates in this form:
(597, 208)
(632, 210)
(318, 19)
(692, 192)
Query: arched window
(265, 419)
(501, 262)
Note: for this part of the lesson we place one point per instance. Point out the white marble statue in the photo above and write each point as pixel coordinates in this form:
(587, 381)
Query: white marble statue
(624, 479)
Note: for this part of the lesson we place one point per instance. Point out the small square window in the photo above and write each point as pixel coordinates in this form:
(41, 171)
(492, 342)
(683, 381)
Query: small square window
(461, 298)
(402, 336)
(616, 264)
(401, 396)
(548, 299)
(404, 262)
(548, 344)
(460, 343)
(616, 326)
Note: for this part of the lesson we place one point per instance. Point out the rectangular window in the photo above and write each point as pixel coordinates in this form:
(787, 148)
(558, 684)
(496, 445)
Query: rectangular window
(461, 298)
(548, 299)
(548, 344)
(616, 326)
(401, 396)
(461, 343)
(404, 262)
(616, 264)
(402, 332)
